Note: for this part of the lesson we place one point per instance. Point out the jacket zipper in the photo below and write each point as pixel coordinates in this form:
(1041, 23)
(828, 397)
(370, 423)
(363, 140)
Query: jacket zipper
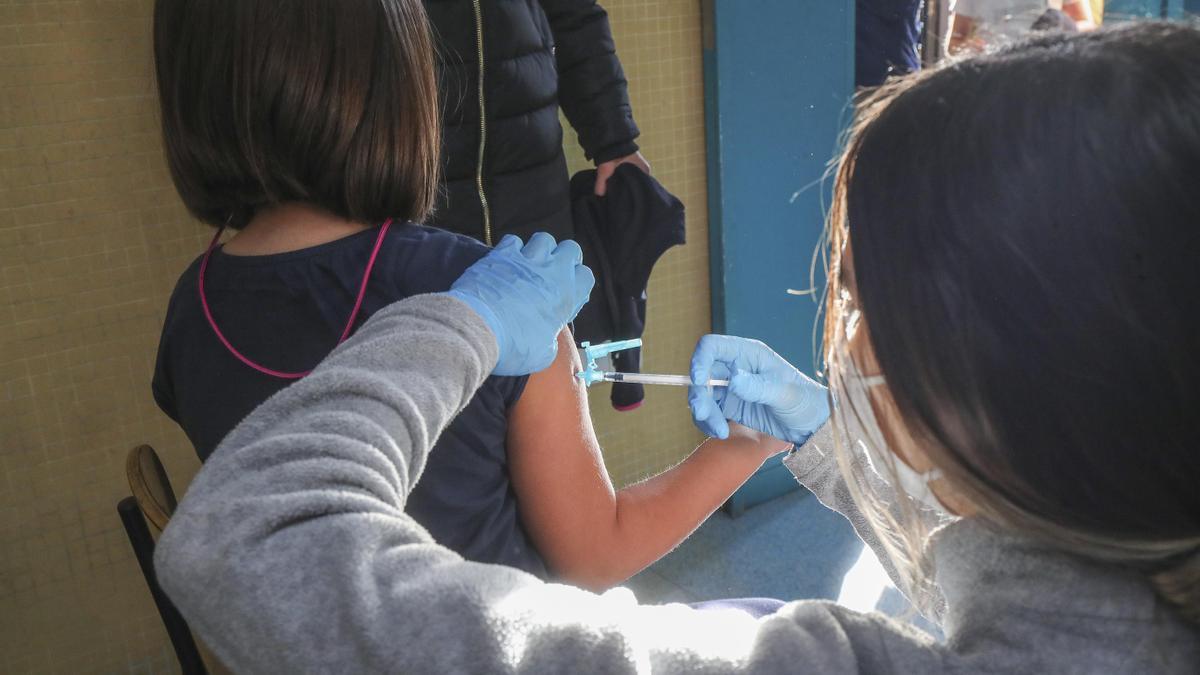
(487, 212)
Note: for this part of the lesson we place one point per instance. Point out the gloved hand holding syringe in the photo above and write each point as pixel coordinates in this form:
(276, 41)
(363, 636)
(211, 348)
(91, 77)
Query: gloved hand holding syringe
(592, 373)
(764, 392)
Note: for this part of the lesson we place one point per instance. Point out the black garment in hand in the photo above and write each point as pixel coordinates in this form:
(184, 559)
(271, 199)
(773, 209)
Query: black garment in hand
(622, 235)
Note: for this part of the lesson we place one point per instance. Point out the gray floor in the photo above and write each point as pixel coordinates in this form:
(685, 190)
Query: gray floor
(788, 548)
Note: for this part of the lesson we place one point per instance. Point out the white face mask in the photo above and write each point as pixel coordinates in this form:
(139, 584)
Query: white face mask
(867, 435)
(914, 484)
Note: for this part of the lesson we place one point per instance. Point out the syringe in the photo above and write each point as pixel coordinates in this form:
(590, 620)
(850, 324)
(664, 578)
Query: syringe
(652, 378)
(592, 374)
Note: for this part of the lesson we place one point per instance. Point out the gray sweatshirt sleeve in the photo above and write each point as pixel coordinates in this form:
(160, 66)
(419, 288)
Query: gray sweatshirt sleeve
(291, 551)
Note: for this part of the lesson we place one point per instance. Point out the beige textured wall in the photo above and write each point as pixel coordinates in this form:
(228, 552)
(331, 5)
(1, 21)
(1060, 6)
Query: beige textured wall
(92, 238)
(659, 45)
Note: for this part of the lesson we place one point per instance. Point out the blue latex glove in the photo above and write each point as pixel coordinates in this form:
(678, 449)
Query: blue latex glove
(765, 392)
(526, 296)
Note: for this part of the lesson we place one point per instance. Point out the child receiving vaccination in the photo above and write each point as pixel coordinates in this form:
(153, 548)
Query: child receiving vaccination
(310, 129)
(1014, 386)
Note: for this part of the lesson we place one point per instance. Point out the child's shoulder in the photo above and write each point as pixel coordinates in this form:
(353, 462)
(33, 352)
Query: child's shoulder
(185, 286)
(433, 238)
(429, 259)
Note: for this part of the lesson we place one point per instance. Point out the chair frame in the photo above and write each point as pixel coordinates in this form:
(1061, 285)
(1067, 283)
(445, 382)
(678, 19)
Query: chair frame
(133, 514)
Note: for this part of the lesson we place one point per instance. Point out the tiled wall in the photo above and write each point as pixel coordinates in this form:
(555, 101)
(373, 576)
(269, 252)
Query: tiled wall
(659, 46)
(92, 238)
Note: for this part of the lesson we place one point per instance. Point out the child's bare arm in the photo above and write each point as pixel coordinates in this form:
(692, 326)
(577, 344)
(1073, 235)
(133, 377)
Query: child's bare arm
(590, 534)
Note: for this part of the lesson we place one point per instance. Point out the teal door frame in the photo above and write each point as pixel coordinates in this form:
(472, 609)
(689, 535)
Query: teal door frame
(1117, 10)
(778, 84)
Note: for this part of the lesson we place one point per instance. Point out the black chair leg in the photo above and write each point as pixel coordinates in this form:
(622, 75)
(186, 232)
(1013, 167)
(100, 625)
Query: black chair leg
(143, 549)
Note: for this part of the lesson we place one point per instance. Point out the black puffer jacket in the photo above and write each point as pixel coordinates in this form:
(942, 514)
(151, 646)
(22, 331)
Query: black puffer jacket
(537, 55)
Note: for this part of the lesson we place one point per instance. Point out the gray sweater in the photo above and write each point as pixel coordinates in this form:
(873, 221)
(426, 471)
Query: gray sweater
(291, 553)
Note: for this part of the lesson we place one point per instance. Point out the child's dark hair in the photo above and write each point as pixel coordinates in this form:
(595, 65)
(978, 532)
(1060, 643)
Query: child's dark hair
(1025, 233)
(328, 102)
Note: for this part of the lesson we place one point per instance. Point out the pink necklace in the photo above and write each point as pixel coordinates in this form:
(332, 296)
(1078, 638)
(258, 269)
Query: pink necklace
(362, 291)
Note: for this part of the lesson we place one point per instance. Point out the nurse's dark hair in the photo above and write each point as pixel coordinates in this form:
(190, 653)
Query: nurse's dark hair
(1055, 20)
(1025, 234)
(328, 102)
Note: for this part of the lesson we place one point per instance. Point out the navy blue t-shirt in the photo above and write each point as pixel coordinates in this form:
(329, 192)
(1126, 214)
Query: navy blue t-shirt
(286, 312)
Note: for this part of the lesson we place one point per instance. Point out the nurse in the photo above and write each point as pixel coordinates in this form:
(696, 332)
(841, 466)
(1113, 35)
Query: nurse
(1011, 348)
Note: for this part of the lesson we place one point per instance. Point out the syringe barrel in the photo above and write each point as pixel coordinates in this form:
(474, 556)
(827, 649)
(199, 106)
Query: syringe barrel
(653, 378)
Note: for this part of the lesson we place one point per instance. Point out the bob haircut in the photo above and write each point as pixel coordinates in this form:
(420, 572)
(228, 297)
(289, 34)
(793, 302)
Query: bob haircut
(327, 102)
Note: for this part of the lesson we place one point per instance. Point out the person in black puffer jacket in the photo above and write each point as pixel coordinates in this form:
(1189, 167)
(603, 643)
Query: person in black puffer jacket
(504, 67)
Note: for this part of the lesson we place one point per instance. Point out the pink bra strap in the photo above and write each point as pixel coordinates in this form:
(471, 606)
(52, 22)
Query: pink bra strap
(362, 292)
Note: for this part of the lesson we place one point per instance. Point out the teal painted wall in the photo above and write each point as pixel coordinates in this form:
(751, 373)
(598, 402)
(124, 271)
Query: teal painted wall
(1115, 10)
(778, 83)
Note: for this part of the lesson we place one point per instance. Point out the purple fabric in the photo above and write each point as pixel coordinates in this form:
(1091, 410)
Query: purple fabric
(755, 607)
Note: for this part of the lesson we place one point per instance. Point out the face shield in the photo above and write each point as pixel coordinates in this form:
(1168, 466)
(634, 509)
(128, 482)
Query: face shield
(894, 499)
